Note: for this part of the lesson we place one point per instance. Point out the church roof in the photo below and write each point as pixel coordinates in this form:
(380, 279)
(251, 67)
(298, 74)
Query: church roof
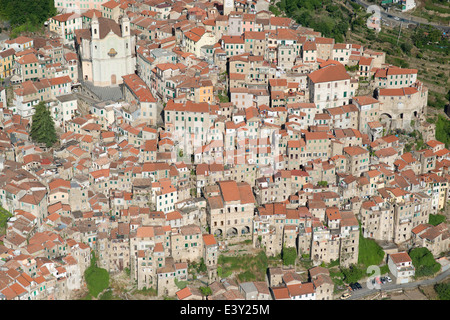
(105, 27)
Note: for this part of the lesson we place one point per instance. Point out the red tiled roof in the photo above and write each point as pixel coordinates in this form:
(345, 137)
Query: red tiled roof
(400, 257)
(398, 92)
(138, 87)
(365, 100)
(209, 240)
(111, 4)
(329, 73)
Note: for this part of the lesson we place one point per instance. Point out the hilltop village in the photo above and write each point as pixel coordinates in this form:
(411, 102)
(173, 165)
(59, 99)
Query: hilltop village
(186, 127)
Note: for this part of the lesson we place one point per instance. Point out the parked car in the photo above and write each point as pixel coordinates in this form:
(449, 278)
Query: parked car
(358, 285)
(376, 280)
(354, 287)
(383, 280)
(388, 279)
(345, 296)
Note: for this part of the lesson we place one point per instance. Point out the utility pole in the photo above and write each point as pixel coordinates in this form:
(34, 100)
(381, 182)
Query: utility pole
(400, 31)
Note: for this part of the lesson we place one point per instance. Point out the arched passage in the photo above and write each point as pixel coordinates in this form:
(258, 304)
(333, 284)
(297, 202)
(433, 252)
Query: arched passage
(232, 232)
(386, 120)
(218, 233)
(245, 230)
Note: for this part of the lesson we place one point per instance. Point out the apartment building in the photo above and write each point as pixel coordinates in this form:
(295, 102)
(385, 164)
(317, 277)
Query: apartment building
(188, 122)
(230, 206)
(357, 159)
(64, 25)
(329, 87)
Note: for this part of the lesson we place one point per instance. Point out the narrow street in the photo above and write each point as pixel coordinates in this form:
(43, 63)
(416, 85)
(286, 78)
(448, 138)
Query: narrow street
(364, 292)
(404, 17)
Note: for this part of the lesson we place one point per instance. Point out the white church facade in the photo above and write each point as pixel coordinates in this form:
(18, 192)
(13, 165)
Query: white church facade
(107, 51)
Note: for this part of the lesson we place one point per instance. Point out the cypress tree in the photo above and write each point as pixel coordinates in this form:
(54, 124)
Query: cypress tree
(42, 126)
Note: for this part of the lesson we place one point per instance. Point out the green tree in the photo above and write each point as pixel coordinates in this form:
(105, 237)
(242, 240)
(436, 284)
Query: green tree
(42, 126)
(406, 47)
(206, 291)
(200, 266)
(33, 12)
(424, 262)
(4, 216)
(322, 183)
(353, 274)
(275, 10)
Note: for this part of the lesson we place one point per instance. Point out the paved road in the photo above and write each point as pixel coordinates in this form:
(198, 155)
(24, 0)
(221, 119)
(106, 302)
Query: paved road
(402, 17)
(392, 286)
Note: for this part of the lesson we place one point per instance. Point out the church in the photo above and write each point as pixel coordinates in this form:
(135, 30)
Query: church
(106, 50)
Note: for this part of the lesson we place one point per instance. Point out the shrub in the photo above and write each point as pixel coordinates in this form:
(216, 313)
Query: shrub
(108, 295)
(147, 292)
(246, 276)
(180, 284)
(406, 47)
(206, 291)
(322, 183)
(423, 262)
(353, 274)
(289, 255)
(443, 290)
(4, 216)
(275, 10)
(443, 130)
(244, 265)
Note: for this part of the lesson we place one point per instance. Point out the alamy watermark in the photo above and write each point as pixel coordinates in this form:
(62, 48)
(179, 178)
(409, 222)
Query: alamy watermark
(374, 280)
(374, 21)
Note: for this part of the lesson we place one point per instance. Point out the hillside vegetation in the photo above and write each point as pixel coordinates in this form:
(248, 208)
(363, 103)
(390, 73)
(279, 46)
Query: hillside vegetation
(26, 15)
(331, 18)
(437, 11)
(4, 216)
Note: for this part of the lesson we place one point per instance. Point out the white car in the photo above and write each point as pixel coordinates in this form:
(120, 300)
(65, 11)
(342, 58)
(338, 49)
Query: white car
(345, 296)
(397, 18)
(388, 279)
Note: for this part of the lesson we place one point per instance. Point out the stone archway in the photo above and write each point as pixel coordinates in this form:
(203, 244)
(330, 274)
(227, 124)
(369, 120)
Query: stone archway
(386, 119)
(218, 233)
(245, 230)
(385, 116)
(232, 232)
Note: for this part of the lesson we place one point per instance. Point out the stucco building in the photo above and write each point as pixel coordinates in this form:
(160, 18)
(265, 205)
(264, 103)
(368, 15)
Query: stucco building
(106, 51)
